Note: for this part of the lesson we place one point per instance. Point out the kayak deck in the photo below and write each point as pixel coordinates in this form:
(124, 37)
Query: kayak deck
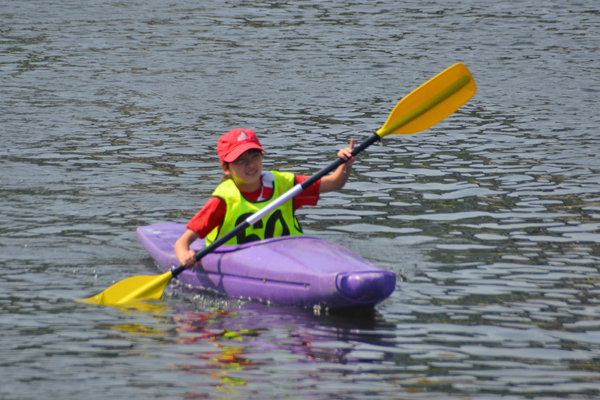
(289, 270)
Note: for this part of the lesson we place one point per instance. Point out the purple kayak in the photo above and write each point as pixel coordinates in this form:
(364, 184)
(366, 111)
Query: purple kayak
(290, 270)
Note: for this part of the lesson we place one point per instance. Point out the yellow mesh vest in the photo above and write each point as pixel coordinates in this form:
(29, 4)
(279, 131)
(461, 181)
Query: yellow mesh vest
(280, 222)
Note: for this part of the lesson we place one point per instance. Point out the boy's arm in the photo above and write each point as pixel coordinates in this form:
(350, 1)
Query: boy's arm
(339, 177)
(207, 219)
(186, 256)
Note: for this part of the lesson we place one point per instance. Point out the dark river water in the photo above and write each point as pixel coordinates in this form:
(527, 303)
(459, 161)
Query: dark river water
(109, 116)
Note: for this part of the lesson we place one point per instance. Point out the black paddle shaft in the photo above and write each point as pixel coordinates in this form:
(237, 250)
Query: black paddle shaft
(241, 227)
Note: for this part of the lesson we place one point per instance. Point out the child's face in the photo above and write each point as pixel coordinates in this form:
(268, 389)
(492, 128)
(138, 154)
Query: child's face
(246, 170)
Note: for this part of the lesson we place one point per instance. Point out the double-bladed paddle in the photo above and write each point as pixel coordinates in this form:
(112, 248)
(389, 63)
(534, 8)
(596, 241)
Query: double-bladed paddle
(424, 107)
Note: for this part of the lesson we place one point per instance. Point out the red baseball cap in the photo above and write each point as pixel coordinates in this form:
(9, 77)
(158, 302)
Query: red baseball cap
(232, 144)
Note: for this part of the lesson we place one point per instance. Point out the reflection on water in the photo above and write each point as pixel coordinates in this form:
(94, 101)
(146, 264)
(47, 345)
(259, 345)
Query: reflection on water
(110, 116)
(255, 344)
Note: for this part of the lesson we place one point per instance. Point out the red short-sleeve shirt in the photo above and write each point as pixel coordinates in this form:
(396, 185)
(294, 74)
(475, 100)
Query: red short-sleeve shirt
(213, 212)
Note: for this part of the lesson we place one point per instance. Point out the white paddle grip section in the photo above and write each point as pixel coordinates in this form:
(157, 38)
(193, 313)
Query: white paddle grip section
(290, 194)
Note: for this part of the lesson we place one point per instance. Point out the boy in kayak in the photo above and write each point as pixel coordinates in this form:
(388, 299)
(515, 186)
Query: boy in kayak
(246, 189)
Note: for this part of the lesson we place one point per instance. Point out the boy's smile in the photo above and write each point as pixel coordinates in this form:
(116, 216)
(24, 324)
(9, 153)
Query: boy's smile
(246, 170)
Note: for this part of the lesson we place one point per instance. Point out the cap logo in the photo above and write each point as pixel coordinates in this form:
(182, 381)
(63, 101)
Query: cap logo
(242, 136)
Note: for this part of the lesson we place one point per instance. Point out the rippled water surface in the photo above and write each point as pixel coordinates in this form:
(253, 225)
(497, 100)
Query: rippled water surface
(109, 116)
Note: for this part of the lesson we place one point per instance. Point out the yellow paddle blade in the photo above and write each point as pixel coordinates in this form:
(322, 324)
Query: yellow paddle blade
(431, 102)
(134, 288)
